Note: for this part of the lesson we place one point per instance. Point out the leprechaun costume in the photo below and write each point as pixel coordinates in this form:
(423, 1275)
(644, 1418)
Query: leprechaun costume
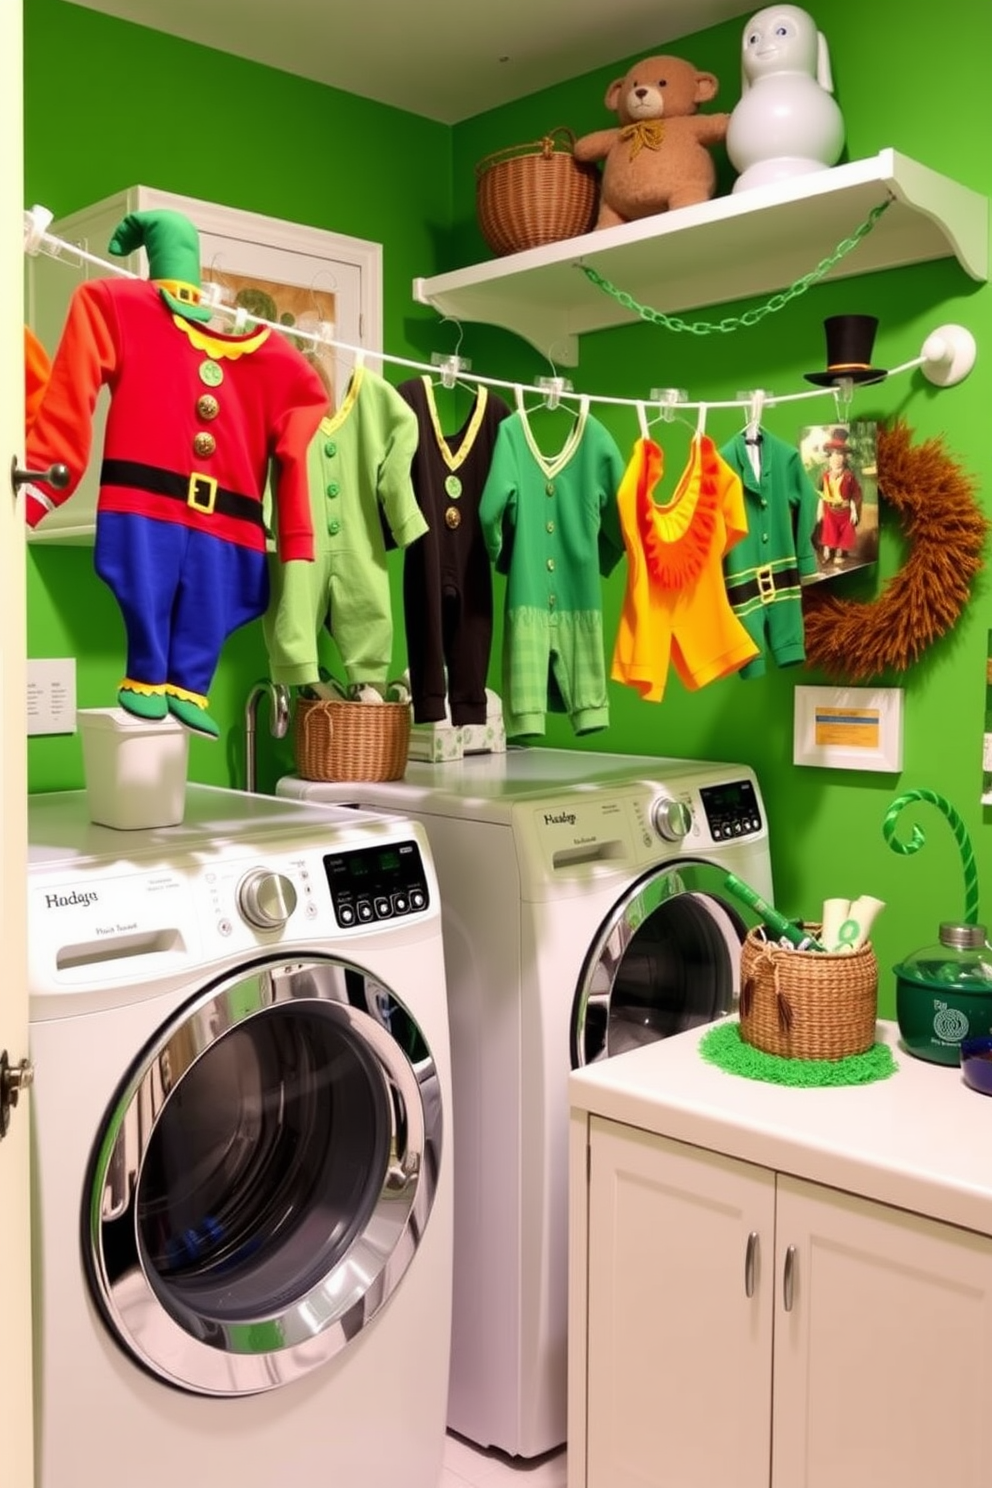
(196, 421)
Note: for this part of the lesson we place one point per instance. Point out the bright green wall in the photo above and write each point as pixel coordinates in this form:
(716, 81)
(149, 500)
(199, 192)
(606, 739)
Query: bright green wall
(309, 154)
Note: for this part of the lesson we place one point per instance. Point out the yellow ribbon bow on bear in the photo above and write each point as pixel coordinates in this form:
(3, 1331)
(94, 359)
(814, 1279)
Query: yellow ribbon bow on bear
(645, 135)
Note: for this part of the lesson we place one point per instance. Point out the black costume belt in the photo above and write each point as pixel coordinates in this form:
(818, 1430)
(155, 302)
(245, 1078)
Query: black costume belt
(201, 493)
(764, 585)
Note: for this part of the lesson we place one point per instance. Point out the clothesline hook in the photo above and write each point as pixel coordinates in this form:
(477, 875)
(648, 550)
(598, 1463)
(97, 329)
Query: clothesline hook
(668, 399)
(843, 398)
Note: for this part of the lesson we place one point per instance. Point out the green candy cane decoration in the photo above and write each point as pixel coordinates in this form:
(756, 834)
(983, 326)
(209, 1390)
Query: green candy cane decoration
(919, 838)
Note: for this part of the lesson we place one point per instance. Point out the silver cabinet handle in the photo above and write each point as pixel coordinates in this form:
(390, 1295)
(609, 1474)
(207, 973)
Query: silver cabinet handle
(750, 1257)
(788, 1277)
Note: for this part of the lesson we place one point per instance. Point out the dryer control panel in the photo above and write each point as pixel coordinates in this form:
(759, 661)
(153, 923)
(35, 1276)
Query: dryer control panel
(377, 883)
(731, 809)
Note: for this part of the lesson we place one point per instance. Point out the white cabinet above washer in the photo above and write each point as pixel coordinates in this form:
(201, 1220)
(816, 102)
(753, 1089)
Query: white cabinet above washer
(733, 247)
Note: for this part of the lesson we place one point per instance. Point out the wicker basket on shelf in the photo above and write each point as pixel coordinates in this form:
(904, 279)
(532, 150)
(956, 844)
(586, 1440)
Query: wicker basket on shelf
(529, 195)
(350, 740)
(807, 1004)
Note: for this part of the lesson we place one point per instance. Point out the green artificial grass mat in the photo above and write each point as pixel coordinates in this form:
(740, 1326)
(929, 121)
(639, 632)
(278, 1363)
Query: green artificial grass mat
(723, 1046)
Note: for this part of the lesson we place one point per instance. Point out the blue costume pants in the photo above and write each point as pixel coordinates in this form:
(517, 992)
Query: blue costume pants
(181, 593)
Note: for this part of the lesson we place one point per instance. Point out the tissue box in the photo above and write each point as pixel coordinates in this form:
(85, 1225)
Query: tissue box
(438, 743)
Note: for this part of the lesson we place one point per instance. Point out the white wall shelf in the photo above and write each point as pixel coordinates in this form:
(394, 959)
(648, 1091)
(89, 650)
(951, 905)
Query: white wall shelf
(735, 247)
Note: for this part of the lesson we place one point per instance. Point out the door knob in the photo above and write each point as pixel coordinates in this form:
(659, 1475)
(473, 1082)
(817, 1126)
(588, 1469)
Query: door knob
(13, 1079)
(55, 475)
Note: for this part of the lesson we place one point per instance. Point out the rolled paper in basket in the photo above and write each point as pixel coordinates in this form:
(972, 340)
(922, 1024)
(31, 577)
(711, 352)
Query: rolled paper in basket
(835, 912)
(919, 838)
(857, 927)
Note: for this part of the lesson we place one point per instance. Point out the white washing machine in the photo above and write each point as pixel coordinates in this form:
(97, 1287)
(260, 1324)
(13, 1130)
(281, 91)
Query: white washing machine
(243, 1144)
(584, 912)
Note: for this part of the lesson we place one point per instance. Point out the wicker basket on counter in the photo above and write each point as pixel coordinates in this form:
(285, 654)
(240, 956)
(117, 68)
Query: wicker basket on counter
(343, 740)
(533, 194)
(807, 1004)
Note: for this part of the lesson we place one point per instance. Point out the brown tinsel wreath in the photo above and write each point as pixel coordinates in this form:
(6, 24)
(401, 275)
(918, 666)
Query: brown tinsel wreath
(946, 531)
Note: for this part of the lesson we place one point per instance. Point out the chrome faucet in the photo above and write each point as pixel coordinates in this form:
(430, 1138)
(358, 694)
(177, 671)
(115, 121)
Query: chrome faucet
(278, 696)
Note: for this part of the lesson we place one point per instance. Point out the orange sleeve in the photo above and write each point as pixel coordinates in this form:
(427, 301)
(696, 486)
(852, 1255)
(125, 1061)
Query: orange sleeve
(37, 370)
(62, 429)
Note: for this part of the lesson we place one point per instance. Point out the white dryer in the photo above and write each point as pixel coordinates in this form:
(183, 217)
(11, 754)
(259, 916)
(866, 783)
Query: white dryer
(584, 912)
(242, 1147)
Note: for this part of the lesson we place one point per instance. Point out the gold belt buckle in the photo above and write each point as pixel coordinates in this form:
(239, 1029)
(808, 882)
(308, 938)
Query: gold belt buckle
(766, 584)
(202, 493)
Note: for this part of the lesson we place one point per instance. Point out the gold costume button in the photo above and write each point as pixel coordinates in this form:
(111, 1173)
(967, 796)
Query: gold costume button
(453, 517)
(333, 488)
(549, 527)
(549, 488)
(204, 444)
(207, 406)
(550, 565)
(334, 528)
(330, 448)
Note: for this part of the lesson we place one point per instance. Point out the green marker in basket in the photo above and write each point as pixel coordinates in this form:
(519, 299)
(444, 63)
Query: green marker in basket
(776, 922)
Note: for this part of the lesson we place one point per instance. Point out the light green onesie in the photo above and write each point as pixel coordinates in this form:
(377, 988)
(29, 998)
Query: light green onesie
(361, 497)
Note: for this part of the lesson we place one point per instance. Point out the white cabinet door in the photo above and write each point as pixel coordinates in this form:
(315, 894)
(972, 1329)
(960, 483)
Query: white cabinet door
(883, 1365)
(15, 1232)
(679, 1355)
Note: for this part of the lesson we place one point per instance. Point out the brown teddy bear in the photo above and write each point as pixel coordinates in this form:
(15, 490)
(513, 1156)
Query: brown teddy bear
(657, 158)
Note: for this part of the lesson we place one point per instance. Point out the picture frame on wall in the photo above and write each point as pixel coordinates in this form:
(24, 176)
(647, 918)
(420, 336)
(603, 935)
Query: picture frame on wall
(848, 728)
(841, 460)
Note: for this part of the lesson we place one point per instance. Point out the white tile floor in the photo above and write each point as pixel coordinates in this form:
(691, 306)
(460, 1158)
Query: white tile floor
(468, 1466)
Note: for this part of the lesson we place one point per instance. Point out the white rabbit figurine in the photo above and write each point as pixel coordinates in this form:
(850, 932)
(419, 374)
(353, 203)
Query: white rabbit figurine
(787, 122)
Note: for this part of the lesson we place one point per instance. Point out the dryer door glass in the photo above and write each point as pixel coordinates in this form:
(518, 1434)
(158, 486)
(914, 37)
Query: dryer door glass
(667, 958)
(265, 1177)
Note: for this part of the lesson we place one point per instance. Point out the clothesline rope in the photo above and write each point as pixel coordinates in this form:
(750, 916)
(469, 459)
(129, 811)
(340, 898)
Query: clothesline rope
(38, 239)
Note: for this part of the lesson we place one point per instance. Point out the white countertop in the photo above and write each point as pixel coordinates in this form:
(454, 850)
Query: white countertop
(921, 1140)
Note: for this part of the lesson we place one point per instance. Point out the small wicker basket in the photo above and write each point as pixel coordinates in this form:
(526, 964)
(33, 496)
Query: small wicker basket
(807, 1004)
(529, 195)
(341, 740)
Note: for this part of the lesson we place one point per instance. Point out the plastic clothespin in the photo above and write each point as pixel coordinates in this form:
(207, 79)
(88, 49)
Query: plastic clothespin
(214, 295)
(36, 225)
(450, 366)
(755, 399)
(553, 388)
(843, 398)
(668, 399)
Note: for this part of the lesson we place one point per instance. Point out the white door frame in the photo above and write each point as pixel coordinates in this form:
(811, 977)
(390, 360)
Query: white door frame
(16, 1415)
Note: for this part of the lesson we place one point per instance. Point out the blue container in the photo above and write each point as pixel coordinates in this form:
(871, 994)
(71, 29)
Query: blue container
(976, 1063)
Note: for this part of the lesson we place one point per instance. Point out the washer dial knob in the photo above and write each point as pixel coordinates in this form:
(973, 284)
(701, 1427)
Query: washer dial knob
(266, 899)
(671, 819)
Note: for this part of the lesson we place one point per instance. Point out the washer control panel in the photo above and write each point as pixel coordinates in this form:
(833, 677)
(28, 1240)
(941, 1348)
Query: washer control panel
(732, 809)
(377, 883)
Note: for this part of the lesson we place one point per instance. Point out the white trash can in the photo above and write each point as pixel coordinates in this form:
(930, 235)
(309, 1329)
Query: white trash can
(135, 768)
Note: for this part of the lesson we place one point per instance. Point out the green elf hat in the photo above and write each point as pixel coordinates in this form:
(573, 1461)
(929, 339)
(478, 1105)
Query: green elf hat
(173, 247)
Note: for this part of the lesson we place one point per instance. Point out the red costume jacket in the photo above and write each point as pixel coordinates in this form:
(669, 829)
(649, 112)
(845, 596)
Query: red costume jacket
(195, 418)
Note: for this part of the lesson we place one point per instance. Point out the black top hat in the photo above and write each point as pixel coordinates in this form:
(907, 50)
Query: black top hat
(849, 342)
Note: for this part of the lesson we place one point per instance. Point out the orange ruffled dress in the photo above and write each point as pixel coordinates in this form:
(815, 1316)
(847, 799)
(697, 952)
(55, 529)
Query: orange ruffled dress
(675, 608)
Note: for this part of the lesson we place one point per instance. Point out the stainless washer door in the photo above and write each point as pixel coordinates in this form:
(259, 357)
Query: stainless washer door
(666, 959)
(265, 1177)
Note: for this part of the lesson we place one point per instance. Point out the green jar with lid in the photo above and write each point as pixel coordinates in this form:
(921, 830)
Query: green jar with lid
(944, 993)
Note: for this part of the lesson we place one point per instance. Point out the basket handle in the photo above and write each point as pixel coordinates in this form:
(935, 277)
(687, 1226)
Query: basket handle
(546, 145)
(316, 710)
